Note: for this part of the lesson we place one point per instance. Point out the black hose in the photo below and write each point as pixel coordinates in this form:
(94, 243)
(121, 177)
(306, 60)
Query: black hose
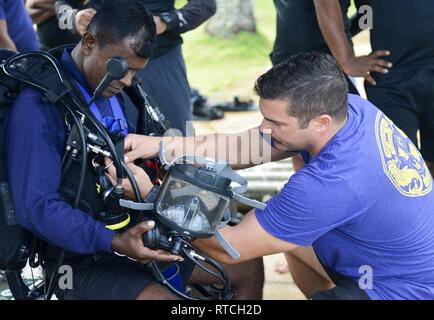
(66, 165)
(83, 162)
(227, 294)
(220, 269)
(135, 186)
(65, 157)
(102, 130)
(133, 181)
(76, 202)
(224, 278)
(157, 274)
(211, 272)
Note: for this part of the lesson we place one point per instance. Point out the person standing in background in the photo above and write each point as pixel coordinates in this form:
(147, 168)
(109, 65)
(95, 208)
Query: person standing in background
(165, 77)
(298, 30)
(401, 85)
(406, 93)
(44, 16)
(16, 29)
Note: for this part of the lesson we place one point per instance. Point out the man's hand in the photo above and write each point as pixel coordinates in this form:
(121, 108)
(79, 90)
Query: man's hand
(130, 243)
(82, 19)
(139, 146)
(144, 183)
(363, 66)
(161, 26)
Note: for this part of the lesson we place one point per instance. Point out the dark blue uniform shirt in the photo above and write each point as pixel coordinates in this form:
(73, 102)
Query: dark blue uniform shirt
(35, 139)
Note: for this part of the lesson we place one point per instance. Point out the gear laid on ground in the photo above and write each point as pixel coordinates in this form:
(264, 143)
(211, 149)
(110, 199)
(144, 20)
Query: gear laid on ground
(239, 105)
(202, 110)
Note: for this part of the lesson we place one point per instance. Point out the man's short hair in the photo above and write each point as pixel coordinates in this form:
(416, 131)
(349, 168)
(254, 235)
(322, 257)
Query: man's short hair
(311, 82)
(119, 20)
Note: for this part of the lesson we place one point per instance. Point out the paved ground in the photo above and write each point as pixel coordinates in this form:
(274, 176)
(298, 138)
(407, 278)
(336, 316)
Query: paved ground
(279, 286)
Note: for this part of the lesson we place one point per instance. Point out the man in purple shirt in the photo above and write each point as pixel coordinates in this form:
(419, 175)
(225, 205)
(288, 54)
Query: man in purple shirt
(16, 29)
(357, 219)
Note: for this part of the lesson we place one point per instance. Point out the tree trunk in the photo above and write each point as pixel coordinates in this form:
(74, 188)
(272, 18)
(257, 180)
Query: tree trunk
(232, 17)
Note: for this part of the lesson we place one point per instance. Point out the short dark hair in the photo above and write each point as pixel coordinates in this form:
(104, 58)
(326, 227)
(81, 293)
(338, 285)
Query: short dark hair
(311, 82)
(118, 20)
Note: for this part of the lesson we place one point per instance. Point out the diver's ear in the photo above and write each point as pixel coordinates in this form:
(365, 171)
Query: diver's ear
(88, 42)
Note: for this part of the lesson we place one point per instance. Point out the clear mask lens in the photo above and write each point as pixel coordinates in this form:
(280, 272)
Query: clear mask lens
(190, 207)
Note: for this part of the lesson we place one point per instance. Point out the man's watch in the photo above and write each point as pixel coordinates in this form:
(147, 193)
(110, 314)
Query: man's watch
(170, 19)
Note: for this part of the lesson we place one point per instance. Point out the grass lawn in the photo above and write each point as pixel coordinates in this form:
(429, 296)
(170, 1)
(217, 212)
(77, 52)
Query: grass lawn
(216, 65)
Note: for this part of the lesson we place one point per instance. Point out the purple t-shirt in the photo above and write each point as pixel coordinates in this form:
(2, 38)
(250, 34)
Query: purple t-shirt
(20, 27)
(365, 203)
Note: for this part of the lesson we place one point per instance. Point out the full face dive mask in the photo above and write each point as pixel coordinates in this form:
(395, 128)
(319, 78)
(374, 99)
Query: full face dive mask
(193, 199)
(195, 196)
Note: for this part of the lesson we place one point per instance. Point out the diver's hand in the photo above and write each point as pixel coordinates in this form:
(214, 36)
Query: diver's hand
(144, 183)
(140, 146)
(82, 19)
(130, 243)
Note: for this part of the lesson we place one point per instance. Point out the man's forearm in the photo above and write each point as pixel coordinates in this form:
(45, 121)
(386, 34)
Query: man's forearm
(240, 150)
(194, 13)
(5, 39)
(40, 15)
(215, 146)
(330, 20)
(40, 11)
